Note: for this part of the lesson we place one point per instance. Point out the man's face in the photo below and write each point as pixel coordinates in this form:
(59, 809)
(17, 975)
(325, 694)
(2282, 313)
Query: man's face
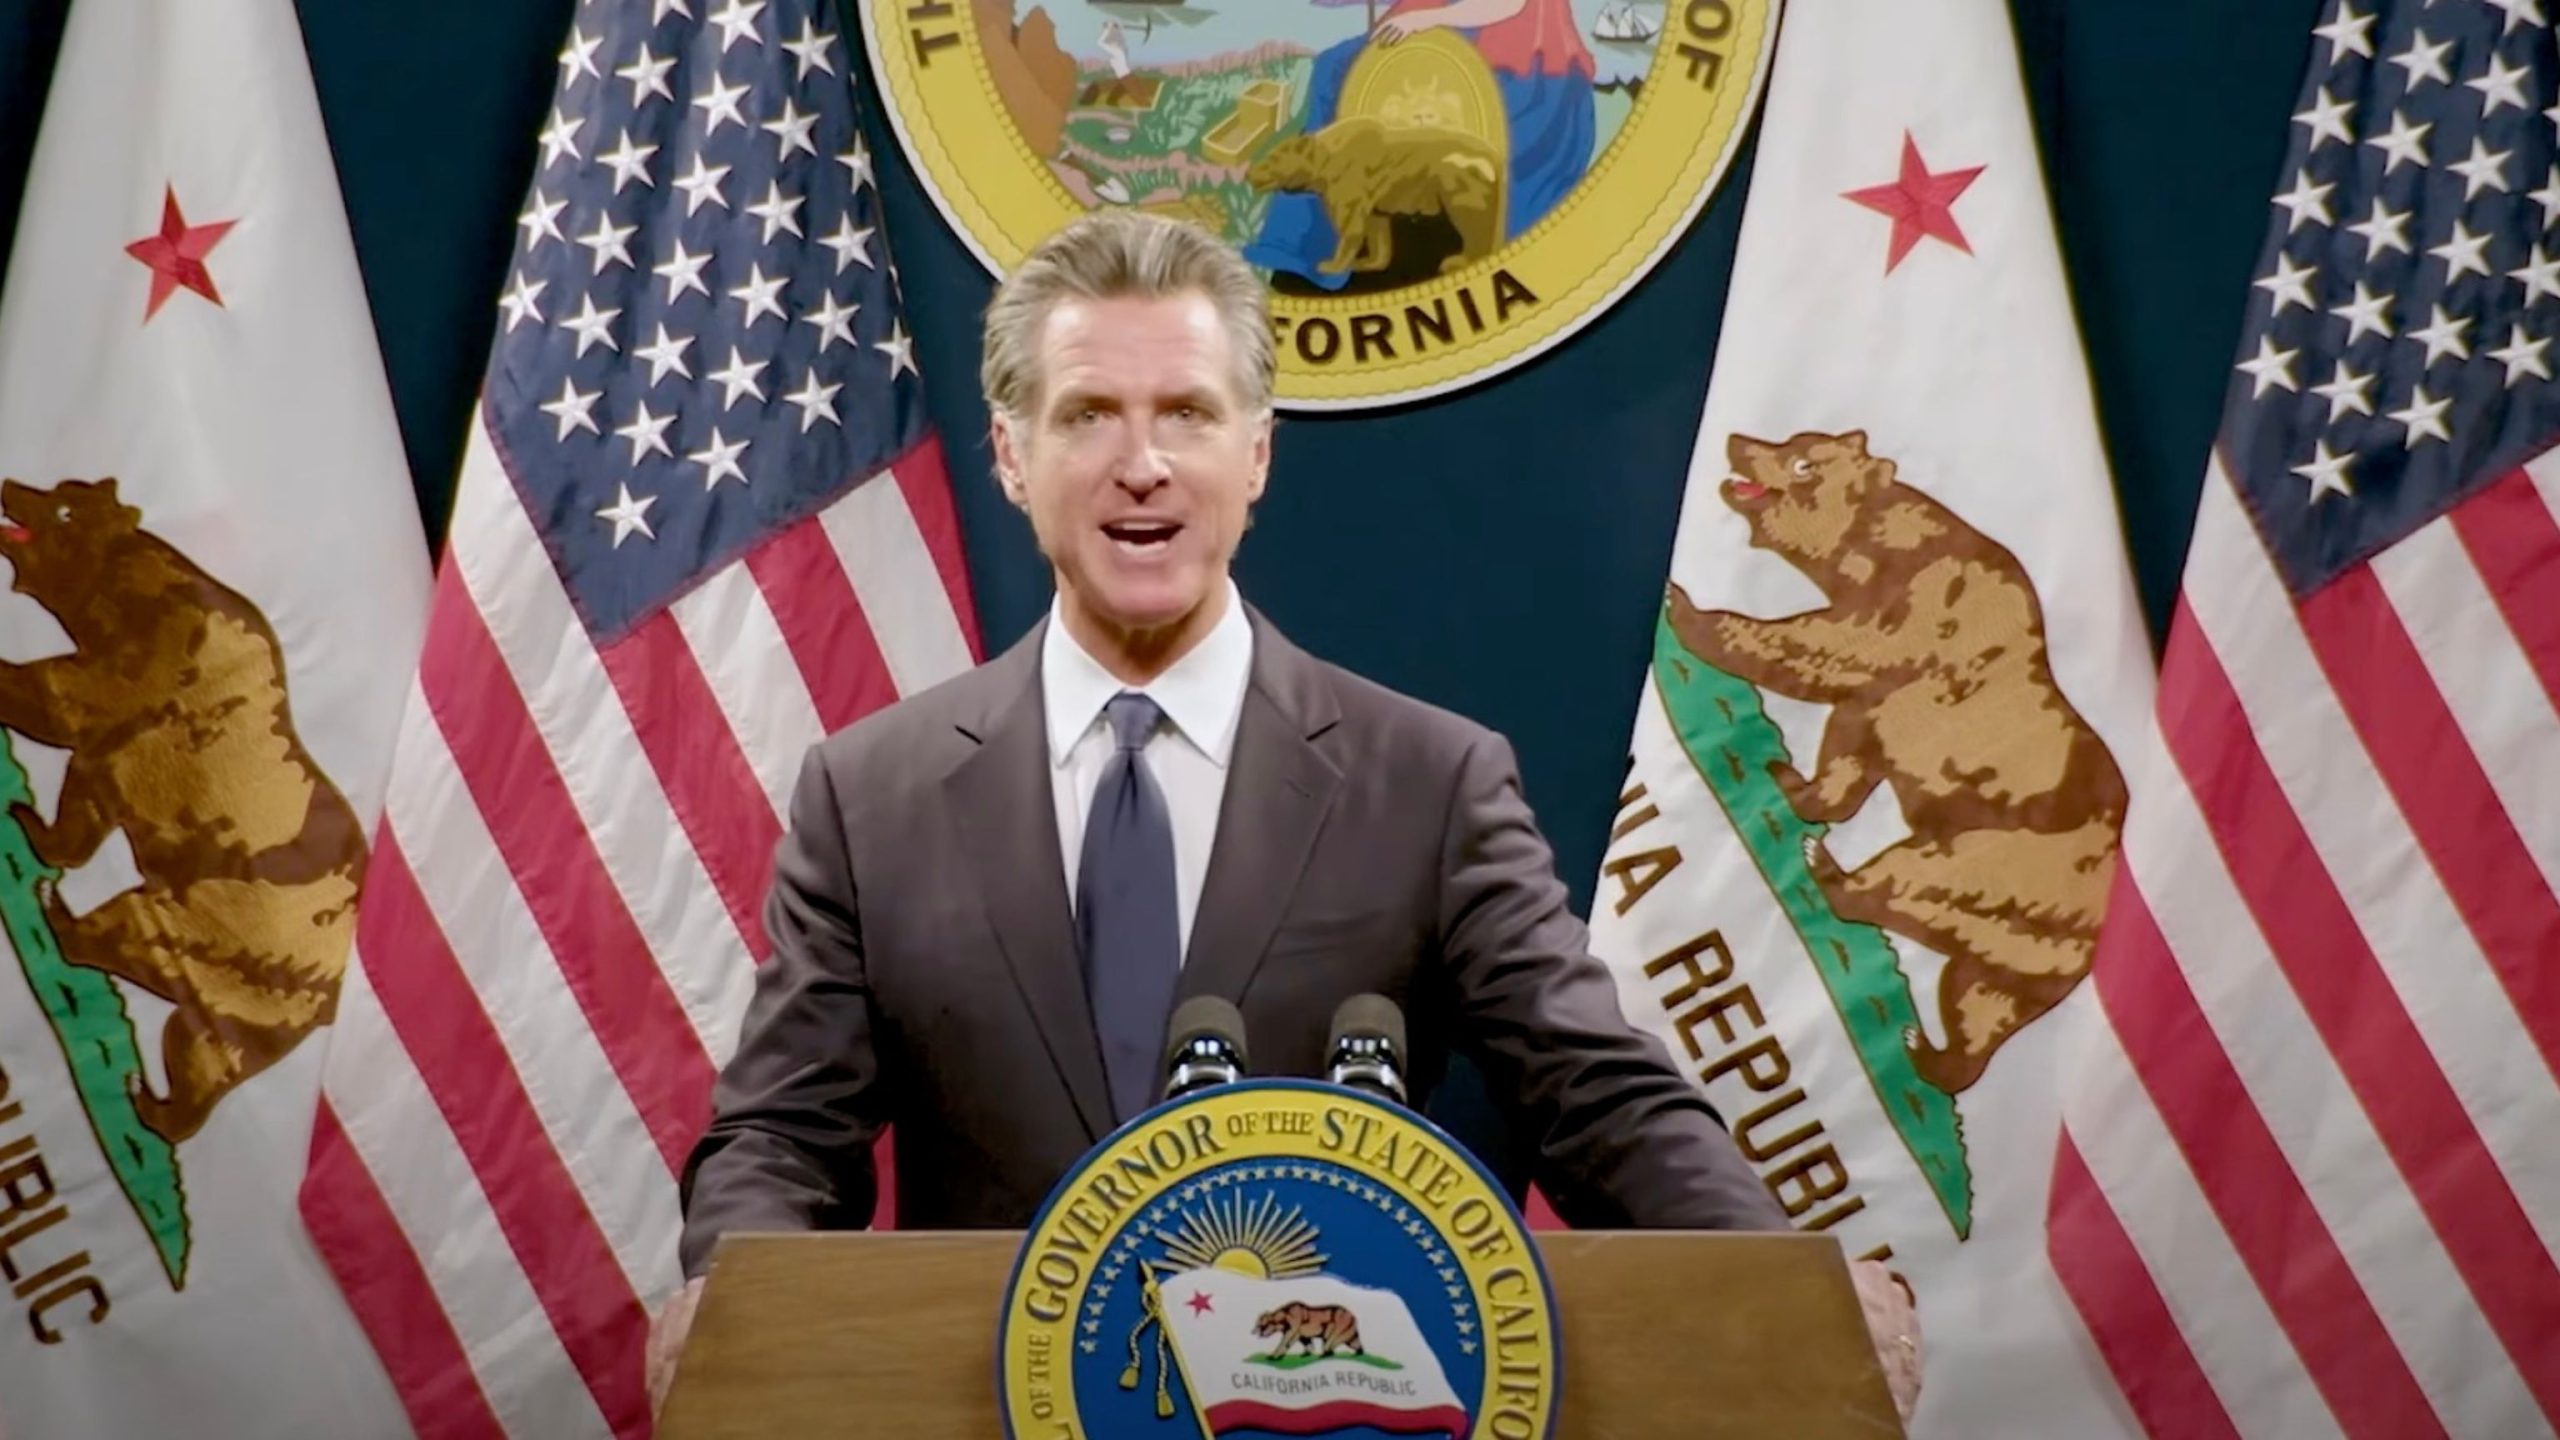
(1137, 462)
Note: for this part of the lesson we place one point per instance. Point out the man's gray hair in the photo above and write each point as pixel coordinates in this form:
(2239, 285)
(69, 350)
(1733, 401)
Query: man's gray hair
(1122, 254)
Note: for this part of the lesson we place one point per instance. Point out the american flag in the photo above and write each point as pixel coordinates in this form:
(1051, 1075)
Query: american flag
(701, 523)
(2309, 1182)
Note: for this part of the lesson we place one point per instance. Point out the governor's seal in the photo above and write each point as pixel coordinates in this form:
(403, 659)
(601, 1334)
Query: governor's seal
(1438, 191)
(1279, 1257)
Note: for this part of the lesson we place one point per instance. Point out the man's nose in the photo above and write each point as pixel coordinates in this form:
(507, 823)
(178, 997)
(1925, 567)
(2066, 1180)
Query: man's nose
(1144, 469)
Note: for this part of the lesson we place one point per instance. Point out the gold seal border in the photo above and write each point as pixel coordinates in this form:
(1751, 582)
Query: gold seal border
(1469, 1215)
(1579, 259)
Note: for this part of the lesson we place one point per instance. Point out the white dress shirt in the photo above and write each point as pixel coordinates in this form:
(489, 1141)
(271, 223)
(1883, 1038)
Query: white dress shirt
(1202, 696)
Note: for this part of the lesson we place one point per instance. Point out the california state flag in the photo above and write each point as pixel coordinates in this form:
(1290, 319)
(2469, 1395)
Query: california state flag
(1873, 802)
(217, 588)
(1310, 1355)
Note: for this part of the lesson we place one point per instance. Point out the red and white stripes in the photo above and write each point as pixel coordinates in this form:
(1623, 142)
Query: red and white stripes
(2307, 1184)
(560, 927)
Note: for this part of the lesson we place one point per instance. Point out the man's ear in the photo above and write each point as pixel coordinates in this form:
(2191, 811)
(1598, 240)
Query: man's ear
(1000, 430)
(1261, 458)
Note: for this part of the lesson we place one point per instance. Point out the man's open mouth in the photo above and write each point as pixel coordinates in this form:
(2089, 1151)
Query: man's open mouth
(1142, 537)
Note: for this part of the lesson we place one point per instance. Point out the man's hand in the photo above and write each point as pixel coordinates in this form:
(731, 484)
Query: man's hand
(1895, 1328)
(666, 1342)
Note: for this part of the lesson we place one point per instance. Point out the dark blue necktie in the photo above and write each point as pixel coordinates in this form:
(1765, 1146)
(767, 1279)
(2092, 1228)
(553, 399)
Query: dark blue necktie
(1128, 925)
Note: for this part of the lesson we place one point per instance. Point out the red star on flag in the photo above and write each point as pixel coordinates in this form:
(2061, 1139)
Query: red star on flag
(176, 254)
(1919, 202)
(1199, 1303)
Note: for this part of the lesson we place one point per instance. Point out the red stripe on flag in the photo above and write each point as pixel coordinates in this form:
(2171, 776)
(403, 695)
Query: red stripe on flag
(1332, 1415)
(556, 1241)
(601, 955)
(2113, 1290)
(2250, 1184)
(926, 482)
(2351, 1003)
(2513, 538)
(387, 1288)
(814, 604)
(2420, 752)
(709, 784)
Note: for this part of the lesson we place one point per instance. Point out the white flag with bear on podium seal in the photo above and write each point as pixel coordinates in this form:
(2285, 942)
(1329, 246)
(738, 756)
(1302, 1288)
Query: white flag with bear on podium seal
(218, 585)
(1872, 806)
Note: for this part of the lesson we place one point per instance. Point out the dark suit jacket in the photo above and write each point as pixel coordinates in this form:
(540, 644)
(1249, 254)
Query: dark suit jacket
(924, 970)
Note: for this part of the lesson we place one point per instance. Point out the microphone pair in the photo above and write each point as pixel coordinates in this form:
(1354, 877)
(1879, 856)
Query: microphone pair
(1205, 1046)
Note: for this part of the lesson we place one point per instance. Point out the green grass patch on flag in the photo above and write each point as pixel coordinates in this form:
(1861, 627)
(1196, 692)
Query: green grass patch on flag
(88, 1016)
(1732, 742)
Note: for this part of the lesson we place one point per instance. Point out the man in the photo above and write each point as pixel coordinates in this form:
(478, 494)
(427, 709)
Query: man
(993, 894)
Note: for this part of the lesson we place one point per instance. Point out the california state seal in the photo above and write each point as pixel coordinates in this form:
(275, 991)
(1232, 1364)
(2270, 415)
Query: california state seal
(1279, 1257)
(1436, 191)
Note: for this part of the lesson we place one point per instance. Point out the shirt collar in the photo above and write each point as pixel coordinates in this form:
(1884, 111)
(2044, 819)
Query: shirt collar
(1202, 693)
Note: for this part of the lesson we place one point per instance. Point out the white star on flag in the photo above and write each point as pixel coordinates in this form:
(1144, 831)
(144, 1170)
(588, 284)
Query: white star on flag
(738, 378)
(2522, 356)
(592, 326)
(2424, 417)
(541, 221)
(850, 242)
(778, 211)
(628, 515)
(2327, 472)
(2404, 143)
(810, 50)
(647, 433)
(2346, 390)
(719, 460)
(630, 162)
(834, 322)
(665, 355)
(720, 103)
(899, 348)
(573, 409)
(2327, 118)
(2445, 335)
(559, 138)
(2271, 370)
(2290, 284)
(610, 243)
(815, 401)
(578, 57)
(2463, 252)
(519, 300)
(738, 22)
(648, 76)
(760, 295)
(701, 186)
(793, 129)
(682, 271)
(2385, 229)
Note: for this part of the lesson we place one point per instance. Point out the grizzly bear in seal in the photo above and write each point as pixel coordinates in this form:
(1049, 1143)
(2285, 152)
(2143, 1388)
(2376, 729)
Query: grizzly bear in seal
(1931, 656)
(1366, 173)
(173, 707)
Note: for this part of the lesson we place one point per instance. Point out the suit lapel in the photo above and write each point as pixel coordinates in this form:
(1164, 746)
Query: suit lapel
(1280, 787)
(1008, 823)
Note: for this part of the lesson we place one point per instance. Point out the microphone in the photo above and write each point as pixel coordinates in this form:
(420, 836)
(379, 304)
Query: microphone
(1204, 1046)
(1367, 1053)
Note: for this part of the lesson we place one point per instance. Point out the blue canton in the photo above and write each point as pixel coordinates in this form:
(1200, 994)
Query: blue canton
(700, 342)
(2396, 356)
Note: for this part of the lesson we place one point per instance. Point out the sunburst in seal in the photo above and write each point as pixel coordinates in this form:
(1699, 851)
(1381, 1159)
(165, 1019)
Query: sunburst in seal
(1248, 1239)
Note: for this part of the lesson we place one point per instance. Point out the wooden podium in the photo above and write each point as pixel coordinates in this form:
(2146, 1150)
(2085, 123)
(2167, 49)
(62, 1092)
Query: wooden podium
(1666, 1333)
